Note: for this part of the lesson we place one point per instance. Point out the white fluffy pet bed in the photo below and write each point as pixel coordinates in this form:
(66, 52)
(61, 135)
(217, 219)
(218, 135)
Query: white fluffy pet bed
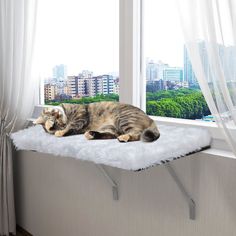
(173, 143)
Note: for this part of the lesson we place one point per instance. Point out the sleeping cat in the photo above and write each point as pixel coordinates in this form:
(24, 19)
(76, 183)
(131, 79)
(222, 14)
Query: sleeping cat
(101, 120)
(51, 119)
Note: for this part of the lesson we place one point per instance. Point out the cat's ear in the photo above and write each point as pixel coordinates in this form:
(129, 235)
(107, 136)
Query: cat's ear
(45, 110)
(57, 113)
(64, 107)
(61, 113)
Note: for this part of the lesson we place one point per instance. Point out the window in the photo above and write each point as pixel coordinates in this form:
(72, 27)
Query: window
(129, 21)
(91, 51)
(78, 50)
(172, 89)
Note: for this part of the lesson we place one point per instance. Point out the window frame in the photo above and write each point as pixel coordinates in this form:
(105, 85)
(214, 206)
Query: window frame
(131, 69)
(131, 52)
(132, 83)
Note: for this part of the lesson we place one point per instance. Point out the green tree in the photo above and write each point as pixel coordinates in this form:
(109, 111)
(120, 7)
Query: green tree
(181, 103)
(86, 100)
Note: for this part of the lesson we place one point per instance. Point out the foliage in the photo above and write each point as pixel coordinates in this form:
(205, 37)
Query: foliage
(86, 100)
(181, 103)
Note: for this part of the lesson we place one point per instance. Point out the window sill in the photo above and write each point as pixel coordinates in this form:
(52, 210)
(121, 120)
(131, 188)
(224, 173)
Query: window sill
(218, 141)
(213, 152)
(176, 121)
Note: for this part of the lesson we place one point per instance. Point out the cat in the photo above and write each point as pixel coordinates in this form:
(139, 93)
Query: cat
(101, 120)
(51, 119)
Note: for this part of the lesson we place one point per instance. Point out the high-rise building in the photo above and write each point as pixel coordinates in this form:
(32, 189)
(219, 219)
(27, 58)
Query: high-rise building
(107, 84)
(72, 83)
(66, 90)
(161, 67)
(173, 74)
(151, 71)
(49, 92)
(227, 61)
(87, 85)
(84, 85)
(154, 71)
(116, 87)
(90, 86)
(189, 75)
(60, 72)
(94, 86)
(227, 56)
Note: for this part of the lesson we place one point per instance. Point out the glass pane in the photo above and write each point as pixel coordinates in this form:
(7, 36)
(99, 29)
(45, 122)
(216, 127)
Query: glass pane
(172, 89)
(78, 46)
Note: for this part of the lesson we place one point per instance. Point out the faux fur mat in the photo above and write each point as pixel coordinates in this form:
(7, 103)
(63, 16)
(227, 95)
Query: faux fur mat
(174, 142)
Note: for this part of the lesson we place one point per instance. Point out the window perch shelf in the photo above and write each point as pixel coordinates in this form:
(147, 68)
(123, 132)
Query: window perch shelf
(174, 143)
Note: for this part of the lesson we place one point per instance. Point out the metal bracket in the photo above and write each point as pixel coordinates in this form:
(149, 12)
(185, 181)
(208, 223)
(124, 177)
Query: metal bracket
(171, 171)
(191, 203)
(111, 181)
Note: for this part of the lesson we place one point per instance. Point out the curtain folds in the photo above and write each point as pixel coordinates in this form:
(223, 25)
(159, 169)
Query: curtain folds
(7, 198)
(17, 88)
(209, 28)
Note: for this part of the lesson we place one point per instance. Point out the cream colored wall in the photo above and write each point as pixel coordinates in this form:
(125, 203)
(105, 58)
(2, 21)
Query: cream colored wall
(65, 197)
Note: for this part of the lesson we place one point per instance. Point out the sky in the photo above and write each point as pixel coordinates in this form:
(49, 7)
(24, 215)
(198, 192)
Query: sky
(163, 39)
(84, 35)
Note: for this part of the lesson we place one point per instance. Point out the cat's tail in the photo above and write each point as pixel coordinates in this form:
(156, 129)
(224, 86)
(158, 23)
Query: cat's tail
(151, 133)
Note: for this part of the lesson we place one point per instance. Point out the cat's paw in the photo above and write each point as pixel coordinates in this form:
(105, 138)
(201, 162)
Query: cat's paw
(49, 124)
(59, 133)
(90, 134)
(124, 138)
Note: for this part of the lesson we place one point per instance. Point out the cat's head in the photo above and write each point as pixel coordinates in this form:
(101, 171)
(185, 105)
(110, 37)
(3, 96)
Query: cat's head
(49, 117)
(47, 114)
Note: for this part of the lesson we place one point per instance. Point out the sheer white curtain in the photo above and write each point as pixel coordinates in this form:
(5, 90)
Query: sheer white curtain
(209, 28)
(17, 30)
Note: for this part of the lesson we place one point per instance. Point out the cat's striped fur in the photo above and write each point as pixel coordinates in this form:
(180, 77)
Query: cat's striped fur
(104, 120)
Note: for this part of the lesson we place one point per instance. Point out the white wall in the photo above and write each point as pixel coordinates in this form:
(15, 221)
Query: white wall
(59, 197)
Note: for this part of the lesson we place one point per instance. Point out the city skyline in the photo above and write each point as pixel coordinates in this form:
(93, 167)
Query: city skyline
(86, 84)
(169, 96)
(159, 75)
(83, 46)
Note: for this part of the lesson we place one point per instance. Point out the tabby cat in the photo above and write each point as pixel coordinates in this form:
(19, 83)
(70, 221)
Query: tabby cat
(51, 119)
(101, 120)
